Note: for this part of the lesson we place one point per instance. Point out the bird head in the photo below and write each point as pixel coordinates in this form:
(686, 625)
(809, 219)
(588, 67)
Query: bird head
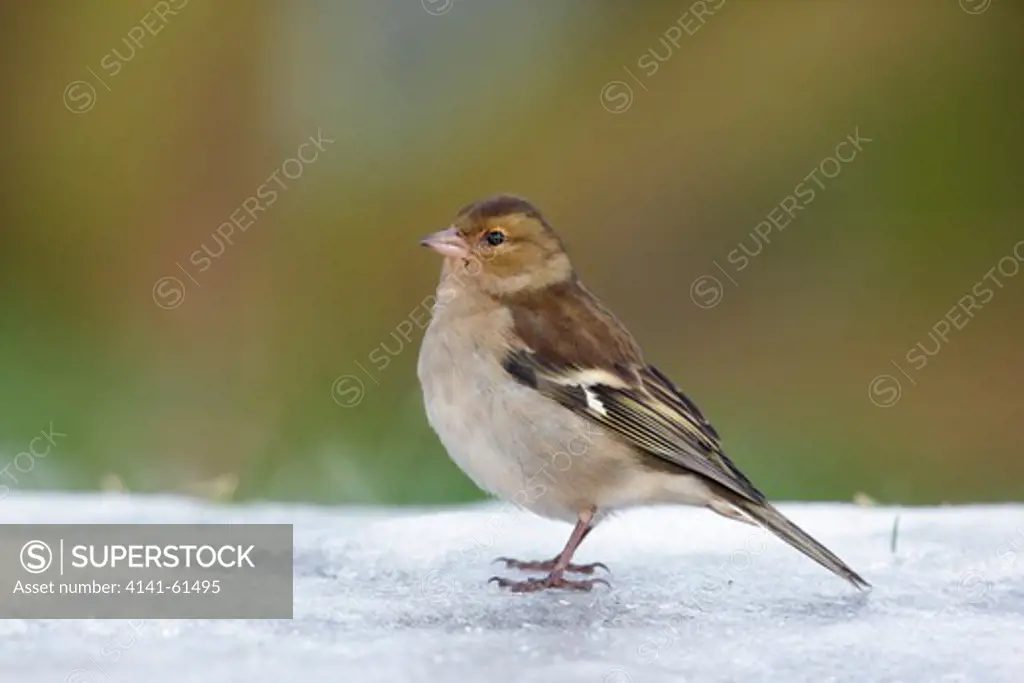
(502, 246)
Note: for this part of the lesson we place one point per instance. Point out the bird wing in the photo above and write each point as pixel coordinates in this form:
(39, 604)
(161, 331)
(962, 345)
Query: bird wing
(575, 352)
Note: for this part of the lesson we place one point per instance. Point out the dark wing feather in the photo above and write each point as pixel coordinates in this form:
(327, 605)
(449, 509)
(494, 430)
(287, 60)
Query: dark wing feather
(592, 366)
(704, 434)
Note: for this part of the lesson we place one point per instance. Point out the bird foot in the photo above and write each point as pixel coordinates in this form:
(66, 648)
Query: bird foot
(549, 566)
(547, 583)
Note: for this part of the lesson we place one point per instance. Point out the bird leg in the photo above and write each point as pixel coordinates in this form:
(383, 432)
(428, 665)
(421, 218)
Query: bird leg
(548, 566)
(557, 567)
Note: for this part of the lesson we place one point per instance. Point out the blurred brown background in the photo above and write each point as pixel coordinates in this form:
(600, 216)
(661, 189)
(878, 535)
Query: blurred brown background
(665, 139)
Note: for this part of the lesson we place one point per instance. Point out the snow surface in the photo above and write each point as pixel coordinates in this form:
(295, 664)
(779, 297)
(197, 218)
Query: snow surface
(400, 595)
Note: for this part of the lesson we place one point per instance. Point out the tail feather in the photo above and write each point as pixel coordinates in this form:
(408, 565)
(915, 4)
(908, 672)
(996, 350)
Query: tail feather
(773, 520)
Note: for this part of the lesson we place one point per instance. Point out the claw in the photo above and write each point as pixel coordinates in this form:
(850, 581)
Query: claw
(501, 581)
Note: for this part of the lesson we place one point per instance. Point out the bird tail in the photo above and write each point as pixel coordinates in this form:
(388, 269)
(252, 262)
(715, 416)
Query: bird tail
(773, 520)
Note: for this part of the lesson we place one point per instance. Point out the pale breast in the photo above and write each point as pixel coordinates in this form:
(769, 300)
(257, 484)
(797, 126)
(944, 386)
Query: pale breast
(510, 441)
(463, 394)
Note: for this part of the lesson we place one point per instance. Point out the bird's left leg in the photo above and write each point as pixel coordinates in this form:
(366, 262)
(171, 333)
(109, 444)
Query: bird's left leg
(557, 567)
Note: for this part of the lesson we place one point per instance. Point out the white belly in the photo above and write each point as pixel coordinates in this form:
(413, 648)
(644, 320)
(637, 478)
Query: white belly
(464, 403)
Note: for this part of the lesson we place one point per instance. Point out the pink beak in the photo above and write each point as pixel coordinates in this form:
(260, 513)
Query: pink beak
(447, 243)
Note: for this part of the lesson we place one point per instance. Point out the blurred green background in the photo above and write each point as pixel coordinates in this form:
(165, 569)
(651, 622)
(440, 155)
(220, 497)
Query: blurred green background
(656, 136)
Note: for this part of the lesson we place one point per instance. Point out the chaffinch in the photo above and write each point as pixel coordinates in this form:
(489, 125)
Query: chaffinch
(521, 361)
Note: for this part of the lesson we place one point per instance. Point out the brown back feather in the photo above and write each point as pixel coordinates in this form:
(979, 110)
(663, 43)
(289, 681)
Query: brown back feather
(566, 325)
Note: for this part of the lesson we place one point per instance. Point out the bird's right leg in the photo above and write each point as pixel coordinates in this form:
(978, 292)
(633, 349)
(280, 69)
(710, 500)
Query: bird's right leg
(548, 566)
(558, 568)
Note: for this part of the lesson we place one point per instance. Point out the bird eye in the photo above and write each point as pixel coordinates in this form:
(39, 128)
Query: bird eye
(495, 238)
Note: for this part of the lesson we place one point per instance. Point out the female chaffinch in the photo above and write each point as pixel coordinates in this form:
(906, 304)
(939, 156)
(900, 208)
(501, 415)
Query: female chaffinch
(521, 360)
